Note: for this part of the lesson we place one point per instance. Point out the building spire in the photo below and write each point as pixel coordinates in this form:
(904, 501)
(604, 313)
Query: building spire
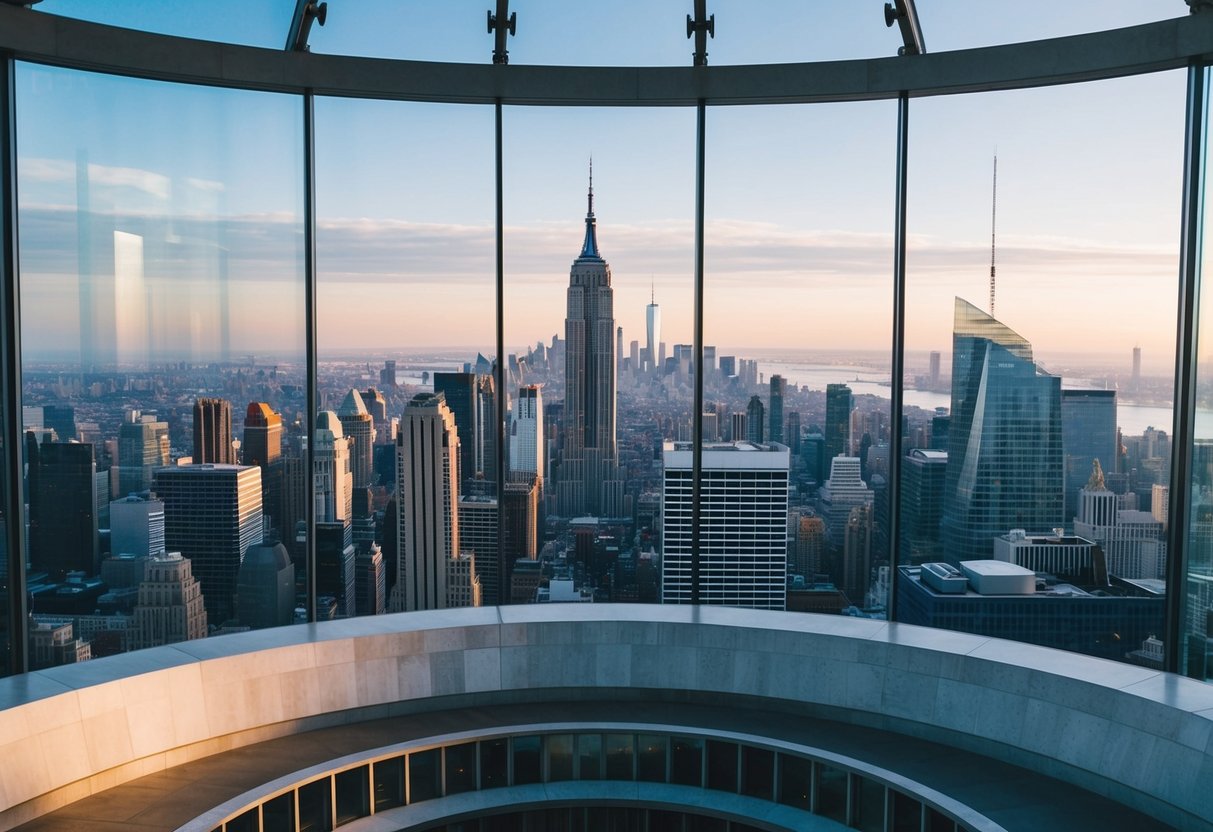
(1096, 483)
(652, 292)
(590, 247)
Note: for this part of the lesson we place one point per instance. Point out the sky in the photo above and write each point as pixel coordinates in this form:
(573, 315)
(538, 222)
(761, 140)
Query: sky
(800, 199)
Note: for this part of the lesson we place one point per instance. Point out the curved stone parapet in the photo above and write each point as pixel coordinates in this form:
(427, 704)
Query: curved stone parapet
(1134, 735)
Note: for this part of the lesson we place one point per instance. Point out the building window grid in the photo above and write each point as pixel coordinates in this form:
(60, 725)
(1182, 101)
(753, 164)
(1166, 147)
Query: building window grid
(771, 788)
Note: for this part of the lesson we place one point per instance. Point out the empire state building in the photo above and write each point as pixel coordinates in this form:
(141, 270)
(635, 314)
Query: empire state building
(589, 481)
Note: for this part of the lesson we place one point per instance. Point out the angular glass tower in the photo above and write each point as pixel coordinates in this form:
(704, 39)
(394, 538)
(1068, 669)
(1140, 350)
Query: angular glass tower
(1004, 453)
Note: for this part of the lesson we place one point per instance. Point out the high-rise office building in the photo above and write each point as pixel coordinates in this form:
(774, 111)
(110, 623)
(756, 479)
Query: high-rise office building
(1005, 446)
(358, 426)
(924, 474)
(370, 581)
(737, 427)
(213, 432)
(170, 606)
(62, 420)
(527, 436)
(743, 531)
(62, 508)
(1132, 541)
(1088, 433)
(265, 587)
(136, 526)
(376, 405)
(212, 515)
(843, 491)
(432, 572)
(387, 376)
(791, 432)
(478, 536)
(933, 372)
(775, 414)
(143, 447)
(336, 575)
(471, 399)
(619, 356)
(262, 446)
(857, 554)
(652, 320)
(333, 480)
(755, 420)
(1135, 379)
(839, 404)
(808, 554)
(590, 480)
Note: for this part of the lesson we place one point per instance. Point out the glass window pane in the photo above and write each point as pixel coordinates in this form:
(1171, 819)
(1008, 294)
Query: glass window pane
(425, 775)
(686, 763)
(757, 772)
(528, 760)
(1004, 432)
(831, 792)
(722, 765)
(245, 22)
(405, 233)
(587, 287)
(805, 221)
(795, 778)
(154, 238)
(650, 757)
(316, 806)
(907, 813)
(460, 768)
(389, 783)
(618, 749)
(278, 814)
(560, 756)
(589, 757)
(250, 821)
(867, 802)
(353, 794)
(1196, 651)
(494, 763)
(937, 821)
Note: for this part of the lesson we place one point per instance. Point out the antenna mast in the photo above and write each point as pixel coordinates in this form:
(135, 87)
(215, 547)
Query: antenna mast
(993, 219)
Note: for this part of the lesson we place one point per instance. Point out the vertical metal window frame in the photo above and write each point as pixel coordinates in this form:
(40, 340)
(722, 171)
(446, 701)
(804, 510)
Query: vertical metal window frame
(897, 374)
(10, 377)
(499, 411)
(1187, 331)
(309, 304)
(697, 404)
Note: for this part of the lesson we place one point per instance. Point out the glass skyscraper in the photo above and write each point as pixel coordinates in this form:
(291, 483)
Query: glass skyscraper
(1004, 450)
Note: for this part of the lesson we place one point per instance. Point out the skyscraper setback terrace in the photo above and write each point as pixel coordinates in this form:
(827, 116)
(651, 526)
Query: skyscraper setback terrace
(195, 230)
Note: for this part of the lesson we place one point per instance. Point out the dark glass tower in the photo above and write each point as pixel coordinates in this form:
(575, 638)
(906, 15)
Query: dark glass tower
(1004, 467)
(62, 507)
(1088, 433)
(839, 403)
(775, 431)
(755, 420)
(589, 472)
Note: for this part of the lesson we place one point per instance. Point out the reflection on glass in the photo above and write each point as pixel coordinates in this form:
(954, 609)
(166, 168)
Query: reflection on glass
(163, 373)
(867, 803)
(1196, 652)
(316, 806)
(650, 757)
(757, 772)
(589, 757)
(797, 313)
(1036, 454)
(560, 756)
(460, 768)
(795, 776)
(389, 783)
(618, 751)
(405, 299)
(907, 813)
(528, 760)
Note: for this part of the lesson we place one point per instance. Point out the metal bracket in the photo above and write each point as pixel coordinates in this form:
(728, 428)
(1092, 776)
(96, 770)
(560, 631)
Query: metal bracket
(905, 15)
(503, 23)
(306, 11)
(701, 26)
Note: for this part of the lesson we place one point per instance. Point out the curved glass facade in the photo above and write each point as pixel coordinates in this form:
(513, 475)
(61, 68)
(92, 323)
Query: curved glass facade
(344, 355)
